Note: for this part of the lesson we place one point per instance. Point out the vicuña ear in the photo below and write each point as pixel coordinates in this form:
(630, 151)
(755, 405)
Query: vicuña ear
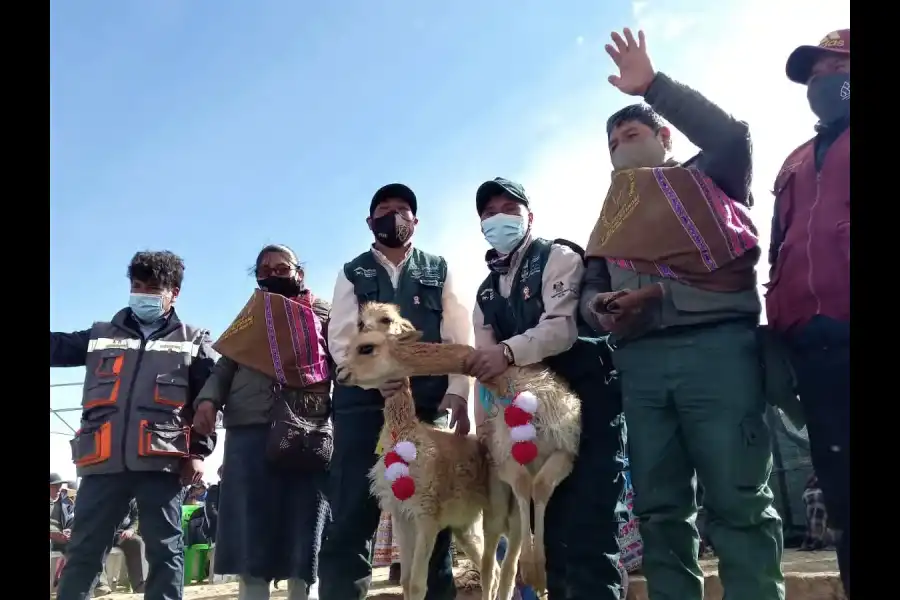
(409, 337)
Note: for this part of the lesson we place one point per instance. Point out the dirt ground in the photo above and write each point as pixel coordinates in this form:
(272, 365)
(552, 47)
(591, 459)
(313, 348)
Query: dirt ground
(810, 576)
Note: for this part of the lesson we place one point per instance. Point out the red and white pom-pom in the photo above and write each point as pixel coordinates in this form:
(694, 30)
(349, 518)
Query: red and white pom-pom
(404, 488)
(406, 450)
(526, 401)
(523, 433)
(524, 452)
(392, 458)
(516, 417)
(396, 471)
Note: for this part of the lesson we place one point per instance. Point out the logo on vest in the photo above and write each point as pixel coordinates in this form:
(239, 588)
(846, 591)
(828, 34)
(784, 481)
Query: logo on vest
(487, 295)
(416, 300)
(560, 289)
(529, 268)
(368, 273)
(526, 292)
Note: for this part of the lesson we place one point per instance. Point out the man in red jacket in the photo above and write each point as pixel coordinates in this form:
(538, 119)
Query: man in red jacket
(808, 301)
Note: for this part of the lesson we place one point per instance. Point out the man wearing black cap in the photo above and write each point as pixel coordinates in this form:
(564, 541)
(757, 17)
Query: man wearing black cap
(526, 312)
(419, 283)
(808, 301)
(671, 274)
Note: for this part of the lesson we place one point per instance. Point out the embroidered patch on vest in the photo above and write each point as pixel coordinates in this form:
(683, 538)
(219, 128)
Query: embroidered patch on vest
(368, 273)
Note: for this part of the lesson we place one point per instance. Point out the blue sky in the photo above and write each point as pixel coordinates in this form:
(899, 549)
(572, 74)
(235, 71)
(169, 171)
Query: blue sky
(211, 129)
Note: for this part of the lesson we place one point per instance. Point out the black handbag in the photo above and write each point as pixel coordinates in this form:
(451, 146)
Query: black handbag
(300, 439)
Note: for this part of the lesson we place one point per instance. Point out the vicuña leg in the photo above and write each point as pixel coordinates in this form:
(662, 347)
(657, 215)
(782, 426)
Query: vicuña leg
(426, 533)
(557, 468)
(496, 524)
(519, 479)
(404, 528)
(511, 560)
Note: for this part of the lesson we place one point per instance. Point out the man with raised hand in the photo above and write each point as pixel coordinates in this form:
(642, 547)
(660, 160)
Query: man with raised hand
(671, 275)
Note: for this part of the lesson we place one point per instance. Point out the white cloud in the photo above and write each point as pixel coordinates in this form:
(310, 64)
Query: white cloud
(665, 24)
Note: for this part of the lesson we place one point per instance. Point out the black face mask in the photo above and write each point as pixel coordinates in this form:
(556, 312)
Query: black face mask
(284, 286)
(392, 230)
(829, 97)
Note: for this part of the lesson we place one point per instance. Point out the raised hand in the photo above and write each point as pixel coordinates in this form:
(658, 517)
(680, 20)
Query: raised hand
(635, 69)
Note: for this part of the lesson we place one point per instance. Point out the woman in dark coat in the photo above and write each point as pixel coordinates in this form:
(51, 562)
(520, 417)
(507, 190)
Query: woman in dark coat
(270, 517)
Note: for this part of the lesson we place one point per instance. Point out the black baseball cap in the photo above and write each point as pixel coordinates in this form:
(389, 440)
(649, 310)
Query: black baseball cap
(497, 187)
(394, 190)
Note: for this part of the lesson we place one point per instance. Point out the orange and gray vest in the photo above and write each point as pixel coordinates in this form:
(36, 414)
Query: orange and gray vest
(134, 392)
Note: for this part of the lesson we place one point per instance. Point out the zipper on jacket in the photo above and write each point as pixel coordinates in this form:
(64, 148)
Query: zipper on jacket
(137, 366)
(809, 232)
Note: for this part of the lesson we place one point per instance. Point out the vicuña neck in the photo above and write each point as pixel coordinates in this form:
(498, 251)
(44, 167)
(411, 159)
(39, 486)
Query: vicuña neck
(424, 359)
(400, 410)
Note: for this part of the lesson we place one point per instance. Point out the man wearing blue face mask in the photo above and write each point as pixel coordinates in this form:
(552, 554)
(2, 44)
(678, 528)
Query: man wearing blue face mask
(526, 312)
(808, 302)
(144, 368)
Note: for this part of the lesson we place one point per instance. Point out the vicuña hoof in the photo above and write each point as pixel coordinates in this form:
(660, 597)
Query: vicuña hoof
(532, 575)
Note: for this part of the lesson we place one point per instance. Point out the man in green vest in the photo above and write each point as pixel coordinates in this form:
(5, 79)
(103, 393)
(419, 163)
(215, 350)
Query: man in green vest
(419, 283)
(526, 313)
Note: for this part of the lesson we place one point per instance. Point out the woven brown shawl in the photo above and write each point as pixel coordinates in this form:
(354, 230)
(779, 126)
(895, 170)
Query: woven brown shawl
(280, 337)
(676, 222)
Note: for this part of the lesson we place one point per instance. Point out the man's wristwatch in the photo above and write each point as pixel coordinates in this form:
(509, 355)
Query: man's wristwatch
(508, 354)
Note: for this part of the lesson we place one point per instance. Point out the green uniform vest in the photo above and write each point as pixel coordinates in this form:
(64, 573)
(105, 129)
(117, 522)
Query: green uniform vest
(587, 365)
(419, 296)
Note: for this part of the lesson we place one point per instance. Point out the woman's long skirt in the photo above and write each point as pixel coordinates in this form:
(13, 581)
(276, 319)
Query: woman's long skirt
(270, 521)
(386, 551)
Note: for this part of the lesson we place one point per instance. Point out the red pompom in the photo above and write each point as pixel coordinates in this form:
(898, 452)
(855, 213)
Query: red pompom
(391, 458)
(524, 452)
(516, 417)
(404, 487)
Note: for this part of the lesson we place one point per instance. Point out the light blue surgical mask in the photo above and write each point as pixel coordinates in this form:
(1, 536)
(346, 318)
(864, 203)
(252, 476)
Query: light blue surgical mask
(146, 307)
(504, 232)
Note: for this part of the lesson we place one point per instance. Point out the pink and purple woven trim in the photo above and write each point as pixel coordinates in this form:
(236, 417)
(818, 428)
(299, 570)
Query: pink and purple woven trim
(306, 340)
(731, 217)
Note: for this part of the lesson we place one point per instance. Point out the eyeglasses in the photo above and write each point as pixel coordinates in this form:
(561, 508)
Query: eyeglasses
(277, 271)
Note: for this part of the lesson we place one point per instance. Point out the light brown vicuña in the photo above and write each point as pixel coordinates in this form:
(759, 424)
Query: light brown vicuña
(377, 356)
(450, 471)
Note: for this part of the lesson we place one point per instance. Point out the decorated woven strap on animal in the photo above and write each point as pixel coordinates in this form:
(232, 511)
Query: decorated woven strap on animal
(280, 337)
(675, 222)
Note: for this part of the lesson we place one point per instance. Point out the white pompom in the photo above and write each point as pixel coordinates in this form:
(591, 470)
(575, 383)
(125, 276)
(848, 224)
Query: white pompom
(527, 402)
(396, 471)
(406, 450)
(523, 433)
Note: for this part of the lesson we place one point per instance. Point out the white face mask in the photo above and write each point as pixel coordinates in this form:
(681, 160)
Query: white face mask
(646, 152)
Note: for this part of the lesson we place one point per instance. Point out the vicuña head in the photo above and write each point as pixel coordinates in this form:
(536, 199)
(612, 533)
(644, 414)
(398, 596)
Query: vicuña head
(388, 347)
(378, 316)
(372, 359)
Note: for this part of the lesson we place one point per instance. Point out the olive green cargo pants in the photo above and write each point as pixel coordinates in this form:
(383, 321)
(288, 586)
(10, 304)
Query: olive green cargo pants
(694, 405)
